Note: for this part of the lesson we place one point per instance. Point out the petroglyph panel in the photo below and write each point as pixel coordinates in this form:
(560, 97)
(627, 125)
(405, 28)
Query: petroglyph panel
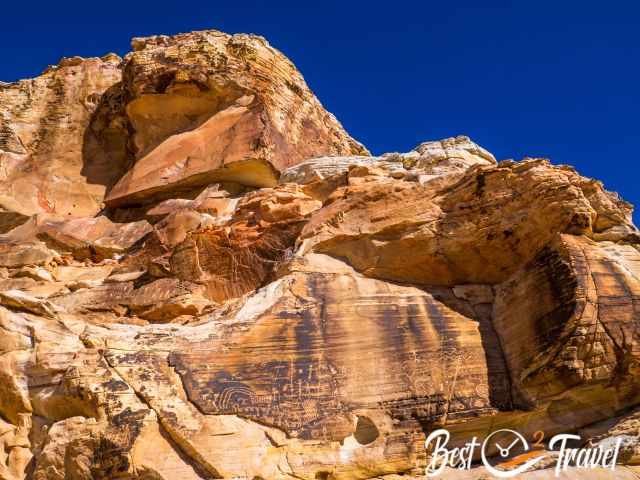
(334, 344)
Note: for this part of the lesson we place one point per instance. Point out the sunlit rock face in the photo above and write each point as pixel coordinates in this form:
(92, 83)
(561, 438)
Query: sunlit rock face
(52, 161)
(177, 114)
(203, 276)
(208, 107)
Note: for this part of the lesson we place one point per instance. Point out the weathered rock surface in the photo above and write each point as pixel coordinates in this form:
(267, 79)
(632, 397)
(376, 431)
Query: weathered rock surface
(51, 161)
(220, 320)
(177, 114)
(429, 160)
(478, 228)
(574, 347)
(209, 107)
(82, 237)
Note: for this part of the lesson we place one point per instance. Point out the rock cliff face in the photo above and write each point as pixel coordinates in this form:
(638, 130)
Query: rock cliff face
(51, 160)
(203, 276)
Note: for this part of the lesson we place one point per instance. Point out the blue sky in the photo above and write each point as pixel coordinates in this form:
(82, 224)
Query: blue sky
(556, 79)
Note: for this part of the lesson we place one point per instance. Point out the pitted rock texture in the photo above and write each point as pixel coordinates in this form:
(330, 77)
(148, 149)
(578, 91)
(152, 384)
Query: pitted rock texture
(177, 114)
(203, 276)
(208, 107)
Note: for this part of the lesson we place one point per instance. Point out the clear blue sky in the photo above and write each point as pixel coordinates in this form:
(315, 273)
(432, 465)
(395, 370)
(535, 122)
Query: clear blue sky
(558, 79)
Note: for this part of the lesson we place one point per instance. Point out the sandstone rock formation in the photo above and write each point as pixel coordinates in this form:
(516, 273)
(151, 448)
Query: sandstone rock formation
(177, 114)
(51, 160)
(203, 276)
(228, 108)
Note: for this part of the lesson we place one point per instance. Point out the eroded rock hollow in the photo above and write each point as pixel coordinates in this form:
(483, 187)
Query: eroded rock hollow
(202, 275)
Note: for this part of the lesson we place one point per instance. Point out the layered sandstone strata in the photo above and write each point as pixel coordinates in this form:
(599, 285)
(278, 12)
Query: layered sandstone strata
(51, 160)
(261, 300)
(177, 114)
(208, 107)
